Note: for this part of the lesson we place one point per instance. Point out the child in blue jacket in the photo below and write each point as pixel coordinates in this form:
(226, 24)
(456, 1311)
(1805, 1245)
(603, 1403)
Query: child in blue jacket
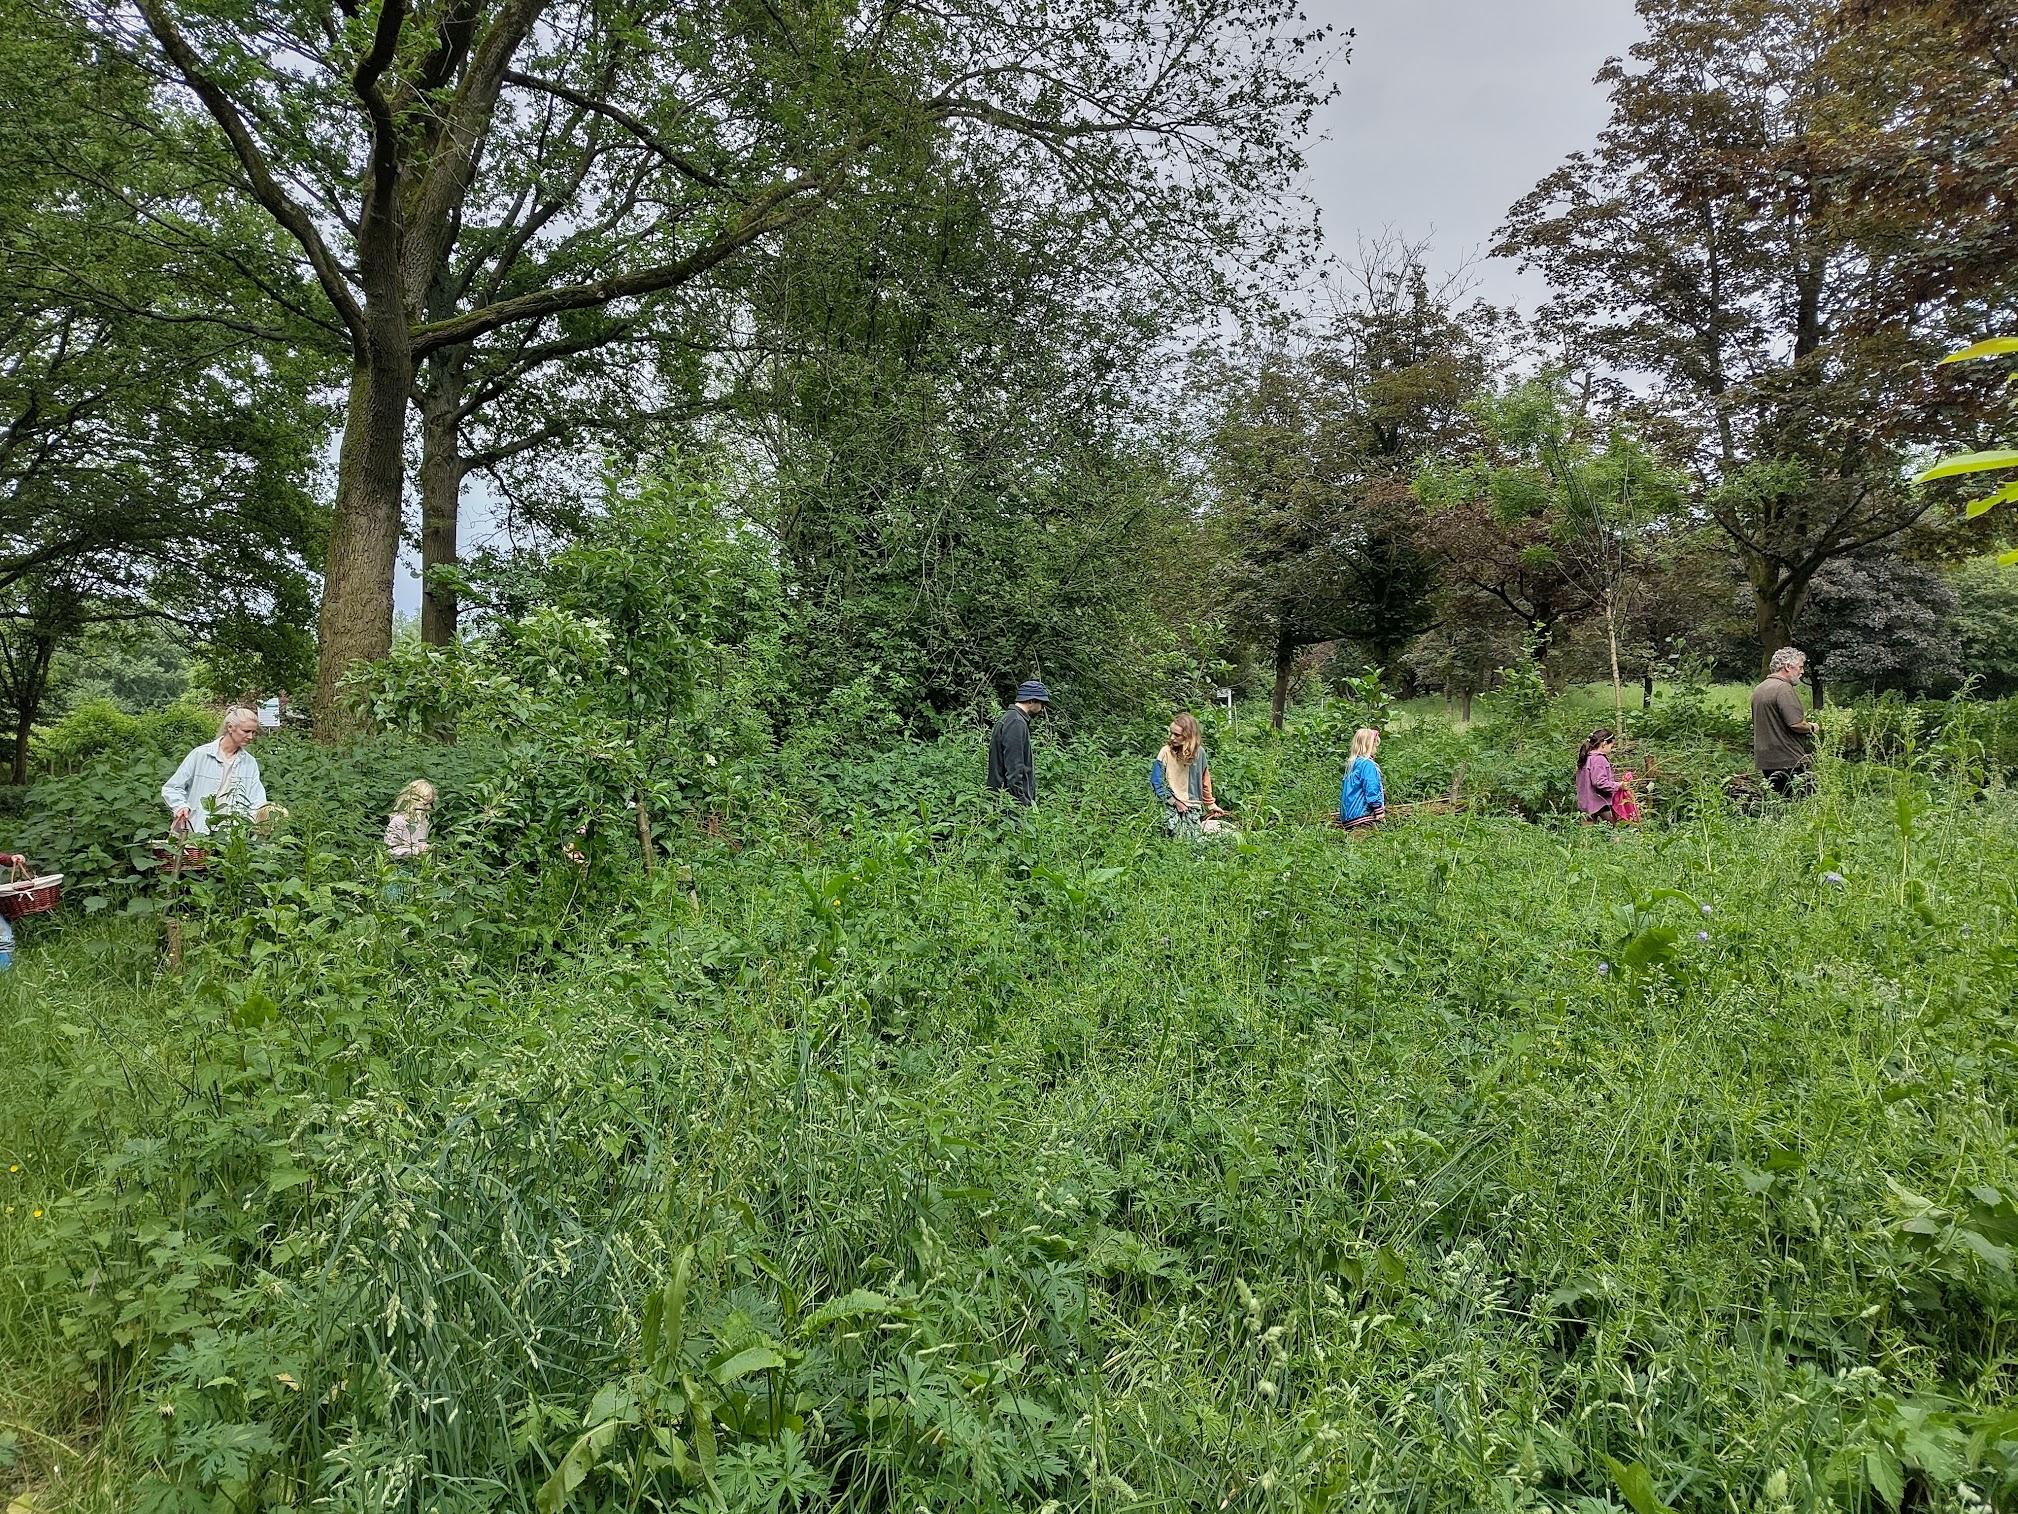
(1361, 800)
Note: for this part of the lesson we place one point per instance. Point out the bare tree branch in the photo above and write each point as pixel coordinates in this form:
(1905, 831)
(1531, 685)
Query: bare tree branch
(259, 175)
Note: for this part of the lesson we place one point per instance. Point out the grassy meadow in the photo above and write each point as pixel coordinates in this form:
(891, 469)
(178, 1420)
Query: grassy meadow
(891, 1153)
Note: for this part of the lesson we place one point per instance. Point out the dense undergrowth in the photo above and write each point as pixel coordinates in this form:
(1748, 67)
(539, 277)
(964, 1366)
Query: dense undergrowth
(882, 1151)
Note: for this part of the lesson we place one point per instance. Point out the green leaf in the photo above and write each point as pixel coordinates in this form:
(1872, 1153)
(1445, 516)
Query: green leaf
(1996, 346)
(574, 1469)
(614, 1403)
(2005, 496)
(1969, 462)
(1652, 947)
(2007, 559)
(704, 1431)
(1996, 1256)
(861, 1304)
(666, 1314)
(1388, 1266)
(1637, 1484)
(1996, 1429)
(675, 1451)
(1887, 1477)
(257, 1010)
(743, 1363)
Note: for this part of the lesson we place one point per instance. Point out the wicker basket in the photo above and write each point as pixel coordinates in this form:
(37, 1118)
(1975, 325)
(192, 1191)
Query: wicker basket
(173, 856)
(24, 893)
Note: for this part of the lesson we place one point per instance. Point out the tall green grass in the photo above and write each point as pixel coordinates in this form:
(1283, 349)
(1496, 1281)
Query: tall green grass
(927, 1157)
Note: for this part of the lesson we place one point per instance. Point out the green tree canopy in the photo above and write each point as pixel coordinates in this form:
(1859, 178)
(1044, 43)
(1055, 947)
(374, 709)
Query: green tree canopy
(372, 137)
(1740, 237)
(157, 441)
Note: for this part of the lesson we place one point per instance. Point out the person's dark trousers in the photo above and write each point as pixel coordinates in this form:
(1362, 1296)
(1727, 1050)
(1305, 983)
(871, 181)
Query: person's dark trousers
(1789, 782)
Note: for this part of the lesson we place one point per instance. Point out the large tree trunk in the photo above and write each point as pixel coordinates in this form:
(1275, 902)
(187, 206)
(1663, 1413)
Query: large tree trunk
(356, 622)
(1774, 607)
(1285, 661)
(34, 682)
(442, 471)
(1544, 626)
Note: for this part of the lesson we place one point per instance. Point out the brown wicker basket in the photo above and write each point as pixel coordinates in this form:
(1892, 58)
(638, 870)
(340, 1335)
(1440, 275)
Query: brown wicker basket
(173, 856)
(24, 893)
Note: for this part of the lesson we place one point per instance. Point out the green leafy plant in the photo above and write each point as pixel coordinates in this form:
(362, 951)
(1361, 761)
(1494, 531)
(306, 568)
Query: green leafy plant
(887, 1155)
(1994, 461)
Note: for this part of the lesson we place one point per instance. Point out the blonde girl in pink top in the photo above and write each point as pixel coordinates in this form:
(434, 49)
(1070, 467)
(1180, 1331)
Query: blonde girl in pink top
(406, 826)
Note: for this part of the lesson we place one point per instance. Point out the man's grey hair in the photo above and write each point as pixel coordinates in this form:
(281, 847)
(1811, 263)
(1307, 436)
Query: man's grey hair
(236, 713)
(1785, 658)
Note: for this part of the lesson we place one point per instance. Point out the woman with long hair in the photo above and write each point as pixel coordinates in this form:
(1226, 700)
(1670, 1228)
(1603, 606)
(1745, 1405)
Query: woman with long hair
(1182, 779)
(1362, 798)
(1597, 784)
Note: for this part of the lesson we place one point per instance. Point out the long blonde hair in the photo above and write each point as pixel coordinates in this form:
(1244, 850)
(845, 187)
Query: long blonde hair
(412, 797)
(1185, 747)
(1365, 741)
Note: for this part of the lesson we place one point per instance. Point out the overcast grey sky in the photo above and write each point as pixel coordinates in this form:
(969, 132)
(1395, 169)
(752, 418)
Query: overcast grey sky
(1447, 112)
(1450, 110)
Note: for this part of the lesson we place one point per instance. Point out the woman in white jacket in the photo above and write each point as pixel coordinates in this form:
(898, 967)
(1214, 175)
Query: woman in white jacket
(220, 777)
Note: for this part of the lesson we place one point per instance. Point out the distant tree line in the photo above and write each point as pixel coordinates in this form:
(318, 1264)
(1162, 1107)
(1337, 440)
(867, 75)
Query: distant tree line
(283, 295)
(1700, 447)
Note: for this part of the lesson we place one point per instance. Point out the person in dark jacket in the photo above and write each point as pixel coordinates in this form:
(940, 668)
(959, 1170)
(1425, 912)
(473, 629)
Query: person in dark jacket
(1010, 765)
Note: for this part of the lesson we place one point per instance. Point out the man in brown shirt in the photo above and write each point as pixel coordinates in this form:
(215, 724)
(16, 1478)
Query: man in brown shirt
(1780, 727)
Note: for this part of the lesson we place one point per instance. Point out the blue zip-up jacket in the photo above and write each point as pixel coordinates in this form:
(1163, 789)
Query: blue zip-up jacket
(1360, 794)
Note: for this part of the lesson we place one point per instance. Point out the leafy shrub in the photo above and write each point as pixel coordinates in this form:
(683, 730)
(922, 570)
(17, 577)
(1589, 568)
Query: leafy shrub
(1523, 694)
(98, 728)
(99, 826)
(94, 728)
(1684, 708)
(94, 827)
(1942, 732)
(598, 686)
(1986, 624)
(173, 729)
